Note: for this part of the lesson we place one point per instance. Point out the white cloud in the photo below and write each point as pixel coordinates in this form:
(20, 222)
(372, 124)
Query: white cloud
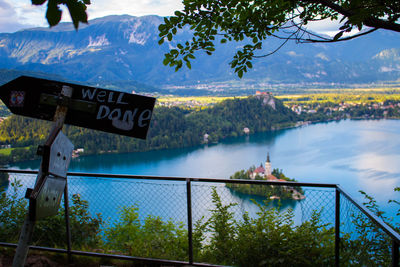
(18, 14)
(8, 15)
(103, 8)
(322, 56)
(324, 26)
(329, 27)
(293, 54)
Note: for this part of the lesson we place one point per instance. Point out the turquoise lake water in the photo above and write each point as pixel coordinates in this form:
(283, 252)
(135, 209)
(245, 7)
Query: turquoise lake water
(357, 154)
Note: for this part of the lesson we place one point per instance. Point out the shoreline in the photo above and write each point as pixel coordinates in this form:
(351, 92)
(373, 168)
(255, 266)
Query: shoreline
(298, 124)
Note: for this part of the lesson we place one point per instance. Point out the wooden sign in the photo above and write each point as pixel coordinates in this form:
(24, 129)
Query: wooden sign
(49, 187)
(95, 108)
(48, 200)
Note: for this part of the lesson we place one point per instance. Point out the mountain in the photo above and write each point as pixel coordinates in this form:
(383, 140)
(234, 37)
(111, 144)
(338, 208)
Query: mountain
(125, 49)
(125, 86)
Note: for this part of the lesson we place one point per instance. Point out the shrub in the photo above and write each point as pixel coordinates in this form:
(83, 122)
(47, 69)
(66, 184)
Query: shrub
(153, 238)
(85, 229)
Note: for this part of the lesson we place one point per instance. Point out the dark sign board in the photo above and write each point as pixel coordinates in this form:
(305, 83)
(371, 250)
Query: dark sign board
(100, 109)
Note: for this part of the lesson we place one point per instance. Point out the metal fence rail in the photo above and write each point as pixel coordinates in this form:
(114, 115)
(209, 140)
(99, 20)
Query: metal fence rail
(185, 205)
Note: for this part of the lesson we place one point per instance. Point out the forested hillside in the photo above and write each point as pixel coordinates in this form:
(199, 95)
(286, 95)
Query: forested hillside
(171, 128)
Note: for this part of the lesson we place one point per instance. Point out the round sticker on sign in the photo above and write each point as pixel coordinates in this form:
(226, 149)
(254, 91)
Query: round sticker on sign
(17, 98)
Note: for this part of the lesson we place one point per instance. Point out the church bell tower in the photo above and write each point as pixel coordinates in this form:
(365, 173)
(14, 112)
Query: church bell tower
(267, 166)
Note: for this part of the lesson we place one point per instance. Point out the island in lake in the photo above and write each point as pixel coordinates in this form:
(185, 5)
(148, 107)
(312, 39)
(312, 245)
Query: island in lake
(271, 191)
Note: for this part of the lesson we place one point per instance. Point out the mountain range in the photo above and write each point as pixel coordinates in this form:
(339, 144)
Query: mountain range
(124, 49)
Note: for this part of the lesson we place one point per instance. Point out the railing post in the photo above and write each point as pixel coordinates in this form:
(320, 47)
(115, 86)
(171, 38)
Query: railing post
(395, 253)
(189, 214)
(337, 228)
(67, 225)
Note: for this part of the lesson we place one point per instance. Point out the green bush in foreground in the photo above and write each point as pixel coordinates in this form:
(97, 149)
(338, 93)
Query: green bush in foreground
(12, 213)
(85, 228)
(271, 238)
(153, 238)
(367, 244)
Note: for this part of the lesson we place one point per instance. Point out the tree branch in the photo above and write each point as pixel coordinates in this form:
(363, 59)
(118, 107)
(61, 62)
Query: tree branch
(339, 40)
(370, 22)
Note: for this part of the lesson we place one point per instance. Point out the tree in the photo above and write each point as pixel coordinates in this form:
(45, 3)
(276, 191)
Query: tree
(251, 22)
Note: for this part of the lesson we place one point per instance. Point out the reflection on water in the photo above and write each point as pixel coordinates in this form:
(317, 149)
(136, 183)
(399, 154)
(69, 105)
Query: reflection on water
(275, 203)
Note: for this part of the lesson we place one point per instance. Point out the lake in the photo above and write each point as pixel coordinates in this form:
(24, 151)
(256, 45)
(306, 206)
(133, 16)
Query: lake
(357, 154)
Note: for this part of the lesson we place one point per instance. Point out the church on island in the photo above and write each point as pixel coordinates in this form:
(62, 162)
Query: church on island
(265, 172)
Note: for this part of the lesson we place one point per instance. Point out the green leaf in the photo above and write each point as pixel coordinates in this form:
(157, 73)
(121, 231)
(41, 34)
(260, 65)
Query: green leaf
(77, 11)
(161, 27)
(174, 52)
(178, 65)
(166, 61)
(53, 14)
(240, 73)
(38, 2)
(258, 45)
(234, 63)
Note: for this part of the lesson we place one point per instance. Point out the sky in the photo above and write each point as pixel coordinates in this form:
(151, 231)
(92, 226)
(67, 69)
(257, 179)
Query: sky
(21, 14)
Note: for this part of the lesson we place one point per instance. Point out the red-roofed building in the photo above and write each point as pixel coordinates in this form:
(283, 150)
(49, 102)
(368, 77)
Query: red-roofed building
(271, 178)
(263, 172)
(259, 171)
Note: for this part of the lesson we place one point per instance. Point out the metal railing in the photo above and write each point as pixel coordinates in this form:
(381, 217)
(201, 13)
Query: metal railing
(185, 202)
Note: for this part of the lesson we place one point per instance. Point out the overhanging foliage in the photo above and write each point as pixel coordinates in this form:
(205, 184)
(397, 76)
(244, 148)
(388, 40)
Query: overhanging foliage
(252, 22)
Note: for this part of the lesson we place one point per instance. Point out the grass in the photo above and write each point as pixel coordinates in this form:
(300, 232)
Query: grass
(5, 151)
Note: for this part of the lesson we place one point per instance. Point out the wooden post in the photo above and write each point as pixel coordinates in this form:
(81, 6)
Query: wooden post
(27, 229)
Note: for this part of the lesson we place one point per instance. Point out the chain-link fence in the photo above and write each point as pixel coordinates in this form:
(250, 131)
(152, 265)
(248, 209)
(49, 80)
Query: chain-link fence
(212, 221)
(364, 242)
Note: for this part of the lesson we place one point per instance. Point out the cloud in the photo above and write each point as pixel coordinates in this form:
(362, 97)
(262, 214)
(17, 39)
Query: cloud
(322, 56)
(8, 23)
(16, 15)
(103, 8)
(293, 54)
